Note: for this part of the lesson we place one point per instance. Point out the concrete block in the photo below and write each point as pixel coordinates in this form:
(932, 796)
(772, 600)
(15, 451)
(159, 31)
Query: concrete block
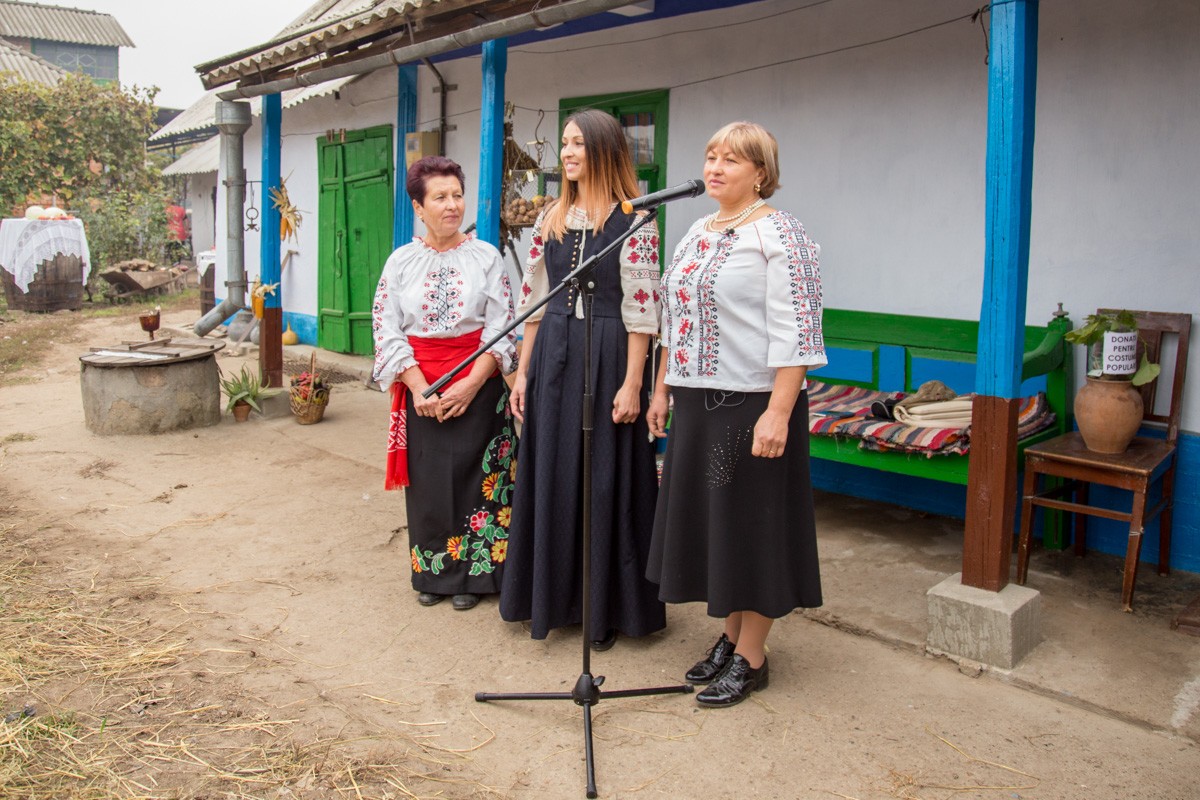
(997, 628)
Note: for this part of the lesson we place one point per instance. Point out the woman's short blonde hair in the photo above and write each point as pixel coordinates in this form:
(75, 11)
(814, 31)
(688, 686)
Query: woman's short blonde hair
(754, 143)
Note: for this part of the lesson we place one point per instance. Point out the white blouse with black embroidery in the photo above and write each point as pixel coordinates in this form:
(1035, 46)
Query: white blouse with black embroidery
(739, 304)
(427, 293)
(639, 274)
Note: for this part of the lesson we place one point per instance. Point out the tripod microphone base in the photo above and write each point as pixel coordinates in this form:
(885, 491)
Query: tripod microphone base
(587, 694)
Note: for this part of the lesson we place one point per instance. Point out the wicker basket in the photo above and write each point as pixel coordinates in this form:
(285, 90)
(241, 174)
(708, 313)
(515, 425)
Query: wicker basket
(311, 408)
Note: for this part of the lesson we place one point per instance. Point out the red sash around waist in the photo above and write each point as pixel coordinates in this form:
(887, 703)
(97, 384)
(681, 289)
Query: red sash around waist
(435, 357)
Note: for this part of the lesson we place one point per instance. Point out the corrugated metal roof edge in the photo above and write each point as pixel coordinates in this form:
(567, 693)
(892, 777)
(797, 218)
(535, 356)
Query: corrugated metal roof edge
(201, 121)
(114, 36)
(288, 34)
(36, 59)
(203, 158)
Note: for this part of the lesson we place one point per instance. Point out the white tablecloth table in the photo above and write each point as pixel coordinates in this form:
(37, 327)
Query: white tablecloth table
(26, 243)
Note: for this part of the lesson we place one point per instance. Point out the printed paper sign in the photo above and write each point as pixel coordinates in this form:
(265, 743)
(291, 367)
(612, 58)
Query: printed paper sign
(1120, 353)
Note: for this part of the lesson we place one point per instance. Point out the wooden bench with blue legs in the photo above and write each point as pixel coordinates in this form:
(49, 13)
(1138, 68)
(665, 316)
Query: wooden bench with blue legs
(898, 353)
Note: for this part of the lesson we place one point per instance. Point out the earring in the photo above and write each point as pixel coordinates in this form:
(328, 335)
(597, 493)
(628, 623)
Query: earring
(757, 188)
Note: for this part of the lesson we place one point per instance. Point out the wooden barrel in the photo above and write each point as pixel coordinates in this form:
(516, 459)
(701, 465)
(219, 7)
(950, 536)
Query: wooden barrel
(57, 286)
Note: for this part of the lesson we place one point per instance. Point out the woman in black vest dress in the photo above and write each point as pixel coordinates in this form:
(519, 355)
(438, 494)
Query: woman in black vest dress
(543, 571)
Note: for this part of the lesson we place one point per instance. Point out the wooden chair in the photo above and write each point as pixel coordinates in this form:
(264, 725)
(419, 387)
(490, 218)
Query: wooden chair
(1147, 461)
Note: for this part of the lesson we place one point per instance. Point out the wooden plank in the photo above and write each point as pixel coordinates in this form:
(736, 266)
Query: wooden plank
(491, 140)
(1012, 89)
(406, 122)
(991, 493)
(1188, 620)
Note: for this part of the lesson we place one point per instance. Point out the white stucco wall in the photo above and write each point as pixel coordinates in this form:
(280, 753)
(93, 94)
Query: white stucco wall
(200, 204)
(882, 147)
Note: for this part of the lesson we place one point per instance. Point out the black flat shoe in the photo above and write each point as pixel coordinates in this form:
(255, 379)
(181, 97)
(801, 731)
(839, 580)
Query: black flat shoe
(430, 599)
(704, 671)
(734, 684)
(464, 602)
(610, 638)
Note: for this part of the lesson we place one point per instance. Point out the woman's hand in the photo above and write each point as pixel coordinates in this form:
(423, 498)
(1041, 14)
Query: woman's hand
(516, 397)
(770, 434)
(656, 416)
(457, 397)
(428, 407)
(627, 405)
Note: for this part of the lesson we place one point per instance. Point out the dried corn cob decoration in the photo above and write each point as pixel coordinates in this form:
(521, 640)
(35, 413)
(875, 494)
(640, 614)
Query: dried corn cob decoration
(289, 216)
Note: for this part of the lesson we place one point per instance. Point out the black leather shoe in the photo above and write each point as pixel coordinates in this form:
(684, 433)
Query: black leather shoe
(704, 671)
(430, 599)
(734, 684)
(610, 638)
(464, 602)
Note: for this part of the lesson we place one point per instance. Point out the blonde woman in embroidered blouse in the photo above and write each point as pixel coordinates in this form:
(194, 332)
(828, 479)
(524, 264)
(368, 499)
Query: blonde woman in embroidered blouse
(741, 327)
(543, 574)
(439, 296)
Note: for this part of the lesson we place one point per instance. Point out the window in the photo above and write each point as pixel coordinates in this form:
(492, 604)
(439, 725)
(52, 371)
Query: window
(643, 115)
(94, 61)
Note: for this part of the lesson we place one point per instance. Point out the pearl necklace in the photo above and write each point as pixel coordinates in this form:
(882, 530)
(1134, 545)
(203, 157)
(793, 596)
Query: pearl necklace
(736, 219)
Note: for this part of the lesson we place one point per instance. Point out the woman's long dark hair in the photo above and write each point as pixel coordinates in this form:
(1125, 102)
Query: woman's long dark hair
(609, 176)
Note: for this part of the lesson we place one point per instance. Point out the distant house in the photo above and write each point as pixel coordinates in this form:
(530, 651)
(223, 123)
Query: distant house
(68, 38)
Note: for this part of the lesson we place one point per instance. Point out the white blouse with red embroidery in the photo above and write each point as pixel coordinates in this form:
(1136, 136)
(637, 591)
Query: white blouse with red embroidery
(440, 295)
(639, 274)
(739, 304)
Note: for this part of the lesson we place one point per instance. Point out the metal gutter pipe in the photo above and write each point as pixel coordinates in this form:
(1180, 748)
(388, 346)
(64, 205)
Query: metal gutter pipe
(233, 120)
(541, 18)
(442, 88)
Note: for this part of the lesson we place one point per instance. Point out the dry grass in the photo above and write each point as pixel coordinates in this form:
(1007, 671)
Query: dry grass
(99, 704)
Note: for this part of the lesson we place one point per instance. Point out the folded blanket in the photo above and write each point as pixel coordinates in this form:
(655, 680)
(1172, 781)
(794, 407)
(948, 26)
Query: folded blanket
(954, 413)
(845, 412)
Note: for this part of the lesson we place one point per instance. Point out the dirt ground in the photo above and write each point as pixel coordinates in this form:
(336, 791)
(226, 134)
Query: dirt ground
(226, 612)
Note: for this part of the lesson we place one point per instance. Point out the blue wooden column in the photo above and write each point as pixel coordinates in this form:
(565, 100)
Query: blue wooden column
(270, 352)
(491, 140)
(406, 122)
(992, 478)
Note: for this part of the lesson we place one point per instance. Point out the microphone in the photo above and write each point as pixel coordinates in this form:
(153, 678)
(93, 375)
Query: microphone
(690, 188)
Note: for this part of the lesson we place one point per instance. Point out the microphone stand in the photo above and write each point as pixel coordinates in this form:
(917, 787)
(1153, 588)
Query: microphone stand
(586, 692)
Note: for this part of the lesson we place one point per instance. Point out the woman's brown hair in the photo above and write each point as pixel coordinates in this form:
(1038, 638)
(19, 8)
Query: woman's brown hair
(609, 175)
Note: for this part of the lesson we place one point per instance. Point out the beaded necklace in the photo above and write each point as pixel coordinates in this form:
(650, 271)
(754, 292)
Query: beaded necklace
(736, 219)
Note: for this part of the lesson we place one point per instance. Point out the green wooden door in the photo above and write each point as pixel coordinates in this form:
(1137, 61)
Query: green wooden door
(354, 234)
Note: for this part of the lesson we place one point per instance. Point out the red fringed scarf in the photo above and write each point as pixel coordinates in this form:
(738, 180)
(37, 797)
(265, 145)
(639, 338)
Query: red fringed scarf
(436, 357)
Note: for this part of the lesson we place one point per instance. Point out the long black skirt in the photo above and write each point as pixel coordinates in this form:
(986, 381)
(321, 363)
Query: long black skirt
(731, 529)
(543, 580)
(460, 494)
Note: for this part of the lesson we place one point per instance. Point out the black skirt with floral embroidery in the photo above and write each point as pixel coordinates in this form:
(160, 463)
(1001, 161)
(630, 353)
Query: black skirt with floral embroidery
(731, 529)
(460, 495)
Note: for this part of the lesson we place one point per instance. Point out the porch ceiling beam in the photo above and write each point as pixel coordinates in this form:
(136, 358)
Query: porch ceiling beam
(541, 18)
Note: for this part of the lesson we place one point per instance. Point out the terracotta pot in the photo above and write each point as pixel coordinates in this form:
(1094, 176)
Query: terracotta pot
(241, 411)
(1108, 413)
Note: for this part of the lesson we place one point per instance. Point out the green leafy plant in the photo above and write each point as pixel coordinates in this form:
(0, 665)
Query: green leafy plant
(246, 386)
(1091, 335)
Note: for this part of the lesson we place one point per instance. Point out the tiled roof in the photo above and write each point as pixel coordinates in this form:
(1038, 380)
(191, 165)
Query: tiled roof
(27, 66)
(55, 24)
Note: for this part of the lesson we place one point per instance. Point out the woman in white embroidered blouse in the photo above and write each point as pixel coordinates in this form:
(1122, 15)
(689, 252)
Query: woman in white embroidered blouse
(741, 327)
(438, 298)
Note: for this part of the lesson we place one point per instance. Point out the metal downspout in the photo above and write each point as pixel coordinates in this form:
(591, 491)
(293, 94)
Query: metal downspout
(233, 120)
(442, 89)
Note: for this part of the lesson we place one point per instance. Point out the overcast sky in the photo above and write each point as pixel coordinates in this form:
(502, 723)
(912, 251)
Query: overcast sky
(172, 38)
